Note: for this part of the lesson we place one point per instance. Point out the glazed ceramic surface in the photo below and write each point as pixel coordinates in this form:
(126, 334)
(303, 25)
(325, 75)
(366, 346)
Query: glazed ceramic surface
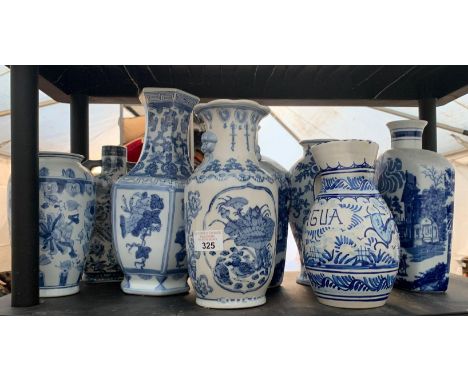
(148, 219)
(101, 263)
(281, 177)
(418, 186)
(303, 177)
(66, 219)
(351, 244)
(230, 192)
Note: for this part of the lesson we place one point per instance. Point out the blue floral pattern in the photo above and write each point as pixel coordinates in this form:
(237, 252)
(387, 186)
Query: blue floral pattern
(149, 209)
(66, 220)
(238, 199)
(247, 265)
(302, 178)
(141, 221)
(281, 176)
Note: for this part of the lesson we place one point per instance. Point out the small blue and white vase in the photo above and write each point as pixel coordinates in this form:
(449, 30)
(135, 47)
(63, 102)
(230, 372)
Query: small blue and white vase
(351, 243)
(147, 203)
(303, 178)
(281, 176)
(101, 263)
(232, 203)
(66, 220)
(418, 186)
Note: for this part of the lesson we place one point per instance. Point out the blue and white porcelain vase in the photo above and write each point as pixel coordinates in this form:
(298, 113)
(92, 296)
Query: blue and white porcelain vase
(281, 176)
(66, 220)
(351, 244)
(303, 177)
(147, 203)
(101, 263)
(418, 186)
(231, 201)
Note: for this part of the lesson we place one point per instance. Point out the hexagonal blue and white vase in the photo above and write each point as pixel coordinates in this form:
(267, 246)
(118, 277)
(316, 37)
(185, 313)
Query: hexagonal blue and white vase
(351, 243)
(303, 178)
(66, 220)
(231, 206)
(418, 186)
(147, 203)
(281, 176)
(101, 262)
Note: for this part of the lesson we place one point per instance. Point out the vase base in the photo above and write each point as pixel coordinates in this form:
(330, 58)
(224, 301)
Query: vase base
(97, 279)
(352, 304)
(302, 279)
(59, 291)
(155, 285)
(234, 303)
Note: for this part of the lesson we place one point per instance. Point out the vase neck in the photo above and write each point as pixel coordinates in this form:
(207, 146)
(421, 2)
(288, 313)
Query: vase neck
(406, 138)
(406, 134)
(346, 166)
(165, 149)
(355, 179)
(231, 132)
(114, 159)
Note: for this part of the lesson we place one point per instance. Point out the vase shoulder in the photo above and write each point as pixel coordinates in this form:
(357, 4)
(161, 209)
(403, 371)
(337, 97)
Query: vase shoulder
(231, 169)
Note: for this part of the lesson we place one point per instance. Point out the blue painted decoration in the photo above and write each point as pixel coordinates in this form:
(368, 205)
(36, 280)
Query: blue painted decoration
(231, 193)
(418, 187)
(351, 244)
(304, 184)
(101, 263)
(148, 213)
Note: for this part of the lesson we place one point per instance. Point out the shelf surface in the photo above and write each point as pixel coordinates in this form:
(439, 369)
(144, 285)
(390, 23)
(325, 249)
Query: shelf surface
(289, 299)
(290, 85)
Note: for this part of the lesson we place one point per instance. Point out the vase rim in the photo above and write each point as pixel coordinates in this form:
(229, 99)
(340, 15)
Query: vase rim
(340, 152)
(155, 90)
(343, 141)
(407, 124)
(318, 141)
(113, 150)
(52, 154)
(232, 103)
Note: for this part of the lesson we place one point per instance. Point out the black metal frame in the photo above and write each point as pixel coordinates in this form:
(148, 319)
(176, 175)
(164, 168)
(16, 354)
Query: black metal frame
(79, 124)
(24, 185)
(428, 112)
(24, 171)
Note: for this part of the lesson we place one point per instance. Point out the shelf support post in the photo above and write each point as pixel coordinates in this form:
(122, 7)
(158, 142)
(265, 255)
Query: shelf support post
(428, 112)
(79, 124)
(24, 185)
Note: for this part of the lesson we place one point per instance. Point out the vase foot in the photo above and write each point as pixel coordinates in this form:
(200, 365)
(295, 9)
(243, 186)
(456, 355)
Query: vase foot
(303, 279)
(58, 291)
(231, 303)
(149, 285)
(352, 304)
(91, 278)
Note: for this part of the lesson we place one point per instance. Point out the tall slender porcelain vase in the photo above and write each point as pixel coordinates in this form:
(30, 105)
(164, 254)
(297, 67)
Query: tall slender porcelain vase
(147, 203)
(231, 210)
(303, 177)
(351, 244)
(66, 220)
(101, 263)
(281, 176)
(418, 186)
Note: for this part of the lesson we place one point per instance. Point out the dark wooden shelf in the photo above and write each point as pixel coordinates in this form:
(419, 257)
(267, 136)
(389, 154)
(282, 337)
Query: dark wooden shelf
(290, 299)
(336, 85)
